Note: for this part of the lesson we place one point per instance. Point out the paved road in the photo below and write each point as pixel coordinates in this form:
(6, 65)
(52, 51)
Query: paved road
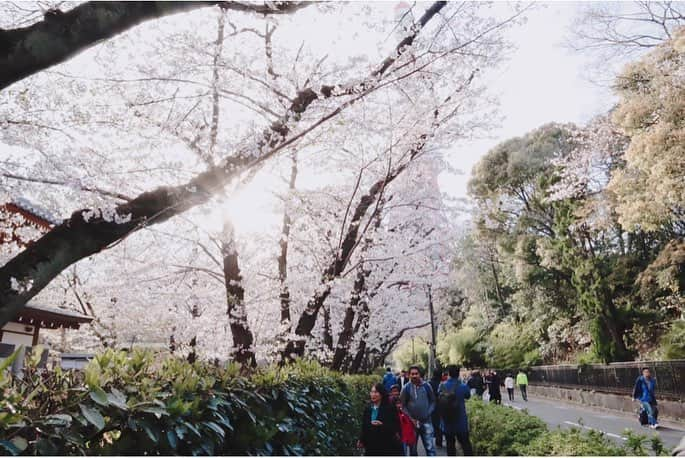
(566, 415)
(557, 413)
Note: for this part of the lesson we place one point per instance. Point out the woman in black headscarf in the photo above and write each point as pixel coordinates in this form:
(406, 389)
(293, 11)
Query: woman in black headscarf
(380, 426)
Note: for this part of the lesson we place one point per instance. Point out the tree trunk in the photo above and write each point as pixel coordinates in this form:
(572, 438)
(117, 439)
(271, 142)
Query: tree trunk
(327, 332)
(343, 347)
(243, 352)
(283, 256)
(214, 128)
(498, 289)
(358, 358)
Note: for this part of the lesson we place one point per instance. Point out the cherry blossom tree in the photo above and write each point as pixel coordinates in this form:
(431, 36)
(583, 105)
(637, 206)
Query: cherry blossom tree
(182, 115)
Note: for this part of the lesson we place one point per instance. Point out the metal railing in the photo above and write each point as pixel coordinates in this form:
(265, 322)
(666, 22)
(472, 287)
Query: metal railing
(616, 378)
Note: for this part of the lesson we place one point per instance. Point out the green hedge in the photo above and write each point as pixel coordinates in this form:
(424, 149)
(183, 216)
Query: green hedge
(137, 403)
(501, 430)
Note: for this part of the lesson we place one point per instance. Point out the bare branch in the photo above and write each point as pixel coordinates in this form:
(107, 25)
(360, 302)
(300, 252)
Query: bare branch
(91, 189)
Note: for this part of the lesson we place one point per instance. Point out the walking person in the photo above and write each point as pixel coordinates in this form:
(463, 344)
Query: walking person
(418, 401)
(475, 384)
(394, 392)
(435, 416)
(509, 385)
(645, 385)
(522, 382)
(494, 383)
(380, 434)
(403, 379)
(452, 395)
(389, 380)
(407, 431)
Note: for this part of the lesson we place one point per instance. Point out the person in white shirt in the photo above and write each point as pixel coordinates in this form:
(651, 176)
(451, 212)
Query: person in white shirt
(509, 384)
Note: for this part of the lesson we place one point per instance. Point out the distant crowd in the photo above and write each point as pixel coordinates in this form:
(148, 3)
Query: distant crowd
(404, 408)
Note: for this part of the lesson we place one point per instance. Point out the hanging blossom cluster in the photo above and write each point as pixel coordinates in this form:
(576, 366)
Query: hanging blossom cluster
(110, 215)
(21, 286)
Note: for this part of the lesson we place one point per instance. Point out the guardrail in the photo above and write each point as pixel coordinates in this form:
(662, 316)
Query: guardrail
(616, 378)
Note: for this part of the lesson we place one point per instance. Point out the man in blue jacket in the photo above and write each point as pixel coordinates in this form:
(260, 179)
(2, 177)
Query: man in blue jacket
(389, 380)
(645, 385)
(453, 394)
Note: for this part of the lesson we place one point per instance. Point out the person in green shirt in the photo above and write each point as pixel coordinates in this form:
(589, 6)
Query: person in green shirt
(522, 382)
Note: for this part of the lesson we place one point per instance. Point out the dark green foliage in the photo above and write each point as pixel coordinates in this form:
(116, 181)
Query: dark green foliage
(673, 342)
(125, 404)
(500, 430)
(512, 345)
(574, 442)
(549, 251)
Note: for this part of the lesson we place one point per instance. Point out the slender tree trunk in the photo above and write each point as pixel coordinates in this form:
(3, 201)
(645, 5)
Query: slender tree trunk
(327, 332)
(214, 128)
(235, 299)
(361, 329)
(356, 365)
(343, 347)
(283, 256)
(495, 277)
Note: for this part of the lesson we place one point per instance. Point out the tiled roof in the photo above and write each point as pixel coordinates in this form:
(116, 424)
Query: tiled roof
(51, 317)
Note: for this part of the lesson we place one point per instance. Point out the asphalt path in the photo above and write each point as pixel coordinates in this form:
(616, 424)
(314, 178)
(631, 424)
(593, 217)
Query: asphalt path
(611, 423)
(567, 415)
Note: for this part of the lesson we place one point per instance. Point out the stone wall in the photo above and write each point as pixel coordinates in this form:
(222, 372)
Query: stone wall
(672, 410)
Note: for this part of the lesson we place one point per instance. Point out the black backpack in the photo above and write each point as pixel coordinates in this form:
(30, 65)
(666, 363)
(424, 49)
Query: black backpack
(447, 402)
(644, 418)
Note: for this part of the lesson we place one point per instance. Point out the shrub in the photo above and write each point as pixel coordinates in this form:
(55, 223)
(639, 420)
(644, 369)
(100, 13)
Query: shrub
(573, 442)
(136, 403)
(500, 430)
(587, 357)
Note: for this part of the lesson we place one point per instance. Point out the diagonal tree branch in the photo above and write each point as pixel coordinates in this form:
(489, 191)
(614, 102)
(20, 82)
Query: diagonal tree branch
(61, 35)
(91, 189)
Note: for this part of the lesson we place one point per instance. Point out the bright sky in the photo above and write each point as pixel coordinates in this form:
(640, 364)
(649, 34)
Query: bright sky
(542, 82)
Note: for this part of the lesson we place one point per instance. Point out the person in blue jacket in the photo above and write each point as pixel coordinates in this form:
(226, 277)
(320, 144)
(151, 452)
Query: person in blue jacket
(455, 422)
(645, 386)
(389, 380)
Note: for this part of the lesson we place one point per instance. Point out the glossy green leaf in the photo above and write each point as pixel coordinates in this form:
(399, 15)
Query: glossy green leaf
(98, 395)
(10, 447)
(117, 399)
(151, 431)
(172, 439)
(93, 416)
(20, 443)
(216, 428)
(157, 411)
(58, 419)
